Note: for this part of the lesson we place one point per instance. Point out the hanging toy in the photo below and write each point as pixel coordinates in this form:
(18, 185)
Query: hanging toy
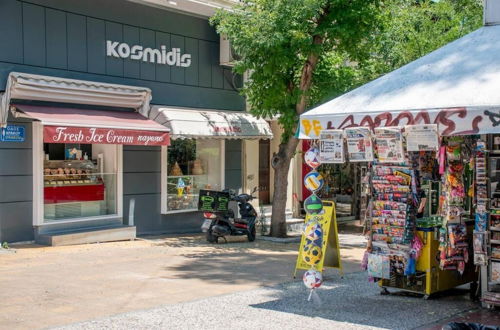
(311, 158)
(312, 254)
(313, 280)
(313, 231)
(313, 205)
(313, 181)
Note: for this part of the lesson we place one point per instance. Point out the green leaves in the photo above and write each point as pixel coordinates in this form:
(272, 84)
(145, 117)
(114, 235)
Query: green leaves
(360, 40)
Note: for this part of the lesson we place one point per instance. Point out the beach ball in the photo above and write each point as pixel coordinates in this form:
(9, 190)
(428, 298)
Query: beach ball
(312, 254)
(313, 205)
(312, 279)
(313, 231)
(313, 181)
(311, 157)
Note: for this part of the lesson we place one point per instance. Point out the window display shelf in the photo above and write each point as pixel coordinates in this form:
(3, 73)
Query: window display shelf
(185, 176)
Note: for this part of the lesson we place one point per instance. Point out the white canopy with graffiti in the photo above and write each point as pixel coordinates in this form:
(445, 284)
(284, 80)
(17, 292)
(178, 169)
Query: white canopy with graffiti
(456, 86)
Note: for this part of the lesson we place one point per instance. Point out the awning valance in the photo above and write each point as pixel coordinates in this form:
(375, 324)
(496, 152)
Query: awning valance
(68, 125)
(456, 87)
(23, 86)
(191, 123)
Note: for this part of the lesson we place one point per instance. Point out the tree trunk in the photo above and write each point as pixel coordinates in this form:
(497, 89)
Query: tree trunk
(281, 165)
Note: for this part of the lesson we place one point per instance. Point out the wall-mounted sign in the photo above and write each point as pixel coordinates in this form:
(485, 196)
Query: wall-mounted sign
(147, 54)
(92, 135)
(12, 133)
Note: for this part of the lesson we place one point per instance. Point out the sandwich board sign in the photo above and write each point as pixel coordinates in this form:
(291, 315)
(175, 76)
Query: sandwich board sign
(330, 249)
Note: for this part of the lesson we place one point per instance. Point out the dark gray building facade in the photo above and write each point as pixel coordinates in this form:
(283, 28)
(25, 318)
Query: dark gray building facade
(68, 39)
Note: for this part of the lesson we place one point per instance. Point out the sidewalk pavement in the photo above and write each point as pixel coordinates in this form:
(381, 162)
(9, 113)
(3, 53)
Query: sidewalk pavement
(51, 286)
(347, 303)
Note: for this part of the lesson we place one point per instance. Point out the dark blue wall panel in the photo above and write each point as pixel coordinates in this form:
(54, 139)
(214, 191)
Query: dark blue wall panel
(233, 164)
(57, 47)
(131, 68)
(191, 47)
(96, 46)
(34, 34)
(163, 71)
(11, 34)
(147, 68)
(114, 32)
(77, 42)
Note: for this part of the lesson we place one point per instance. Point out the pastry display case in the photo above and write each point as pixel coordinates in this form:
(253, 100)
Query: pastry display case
(67, 181)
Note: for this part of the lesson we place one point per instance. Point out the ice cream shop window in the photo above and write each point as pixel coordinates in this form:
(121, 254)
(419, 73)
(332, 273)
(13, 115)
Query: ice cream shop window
(79, 181)
(191, 165)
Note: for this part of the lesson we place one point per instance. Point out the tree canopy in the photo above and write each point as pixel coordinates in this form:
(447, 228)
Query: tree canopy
(360, 40)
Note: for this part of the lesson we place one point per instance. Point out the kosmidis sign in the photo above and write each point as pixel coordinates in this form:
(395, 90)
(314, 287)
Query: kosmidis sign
(94, 135)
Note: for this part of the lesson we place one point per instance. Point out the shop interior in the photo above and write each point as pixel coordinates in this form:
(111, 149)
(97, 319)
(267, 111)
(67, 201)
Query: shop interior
(80, 180)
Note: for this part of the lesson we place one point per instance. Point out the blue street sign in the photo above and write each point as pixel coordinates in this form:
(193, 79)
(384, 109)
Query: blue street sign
(13, 133)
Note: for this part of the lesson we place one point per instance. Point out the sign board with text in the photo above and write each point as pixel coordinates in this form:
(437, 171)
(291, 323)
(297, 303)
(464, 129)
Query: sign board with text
(13, 133)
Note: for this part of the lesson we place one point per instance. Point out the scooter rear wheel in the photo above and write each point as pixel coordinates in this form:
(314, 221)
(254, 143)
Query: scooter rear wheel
(210, 237)
(251, 234)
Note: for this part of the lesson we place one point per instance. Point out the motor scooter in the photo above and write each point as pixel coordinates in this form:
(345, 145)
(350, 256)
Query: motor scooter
(219, 224)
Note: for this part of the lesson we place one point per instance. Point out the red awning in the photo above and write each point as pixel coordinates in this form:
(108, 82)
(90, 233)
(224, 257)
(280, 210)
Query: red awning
(69, 125)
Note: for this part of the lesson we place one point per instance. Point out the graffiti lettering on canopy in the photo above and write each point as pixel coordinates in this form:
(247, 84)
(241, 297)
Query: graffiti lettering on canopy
(451, 121)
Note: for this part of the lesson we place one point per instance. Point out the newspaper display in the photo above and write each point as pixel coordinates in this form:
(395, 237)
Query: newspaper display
(422, 137)
(389, 144)
(331, 146)
(359, 144)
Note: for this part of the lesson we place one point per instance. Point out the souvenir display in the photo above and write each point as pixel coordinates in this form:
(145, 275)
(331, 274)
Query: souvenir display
(359, 144)
(331, 146)
(312, 252)
(481, 215)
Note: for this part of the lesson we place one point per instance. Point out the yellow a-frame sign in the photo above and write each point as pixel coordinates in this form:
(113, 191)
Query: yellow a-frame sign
(330, 248)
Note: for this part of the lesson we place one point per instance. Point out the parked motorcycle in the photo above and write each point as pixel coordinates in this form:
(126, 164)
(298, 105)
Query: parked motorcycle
(223, 222)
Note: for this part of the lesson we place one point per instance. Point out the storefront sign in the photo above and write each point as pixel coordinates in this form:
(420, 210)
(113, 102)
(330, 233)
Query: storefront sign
(93, 135)
(12, 133)
(331, 146)
(389, 145)
(146, 54)
(422, 137)
(450, 121)
(359, 144)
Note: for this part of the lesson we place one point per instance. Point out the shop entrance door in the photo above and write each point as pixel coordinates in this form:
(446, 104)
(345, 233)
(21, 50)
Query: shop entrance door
(264, 171)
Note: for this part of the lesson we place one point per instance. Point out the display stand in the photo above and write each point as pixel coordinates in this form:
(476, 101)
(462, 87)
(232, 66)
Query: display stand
(330, 249)
(490, 268)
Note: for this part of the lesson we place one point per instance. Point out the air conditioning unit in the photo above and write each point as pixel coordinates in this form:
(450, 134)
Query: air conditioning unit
(227, 55)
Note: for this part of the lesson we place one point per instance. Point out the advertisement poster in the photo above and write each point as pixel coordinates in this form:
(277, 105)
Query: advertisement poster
(331, 146)
(422, 137)
(359, 144)
(389, 145)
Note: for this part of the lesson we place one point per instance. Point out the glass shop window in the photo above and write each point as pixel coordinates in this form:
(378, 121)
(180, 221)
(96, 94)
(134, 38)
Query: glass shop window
(80, 181)
(192, 165)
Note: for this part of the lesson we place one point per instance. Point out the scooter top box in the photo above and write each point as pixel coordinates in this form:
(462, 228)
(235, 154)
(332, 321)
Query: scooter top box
(213, 201)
